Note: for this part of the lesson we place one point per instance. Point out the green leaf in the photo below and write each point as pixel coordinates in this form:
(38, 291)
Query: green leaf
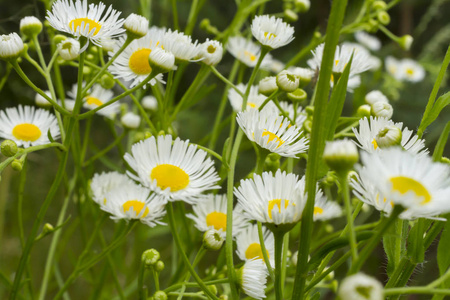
(438, 106)
(416, 248)
(443, 259)
(439, 149)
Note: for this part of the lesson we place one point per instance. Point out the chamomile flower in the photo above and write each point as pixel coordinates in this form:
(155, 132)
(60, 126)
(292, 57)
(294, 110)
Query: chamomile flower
(252, 278)
(254, 100)
(131, 201)
(174, 169)
(373, 61)
(11, 46)
(28, 126)
(269, 199)
(69, 49)
(415, 182)
(102, 184)
(211, 52)
(132, 64)
(352, 83)
(393, 67)
(411, 70)
(248, 246)
(369, 129)
(100, 96)
(324, 209)
(92, 22)
(305, 74)
(272, 32)
(211, 213)
(298, 116)
(180, 45)
(369, 41)
(246, 51)
(272, 132)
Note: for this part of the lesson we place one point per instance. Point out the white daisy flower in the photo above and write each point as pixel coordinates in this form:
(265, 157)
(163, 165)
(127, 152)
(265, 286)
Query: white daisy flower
(375, 96)
(305, 74)
(373, 61)
(41, 101)
(324, 209)
(246, 51)
(131, 201)
(273, 65)
(80, 20)
(211, 213)
(253, 278)
(299, 116)
(28, 126)
(352, 83)
(177, 171)
(269, 199)
(161, 61)
(132, 64)
(248, 246)
(370, 41)
(254, 100)
(180, 45)
(361, 286)
(415, 182)
(272, 32)
(102, 184)
(100, 96)
(393, 67)
(211, 52)
(369, 129)
(411, 70)
(136, 25)
(272, 132)
(11, 45)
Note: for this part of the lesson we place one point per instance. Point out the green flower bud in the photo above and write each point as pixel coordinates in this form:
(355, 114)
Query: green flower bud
(213, 289)
(268, 85)
(107, 82)
(59, 38)
(148, 134)
(9, 148)
(30, 26)
(159, 267)
(17, 165)
(290, 15)
(388, 136)
(405, 42)
(287, 82)
(150, 257)
(372, 25)
(160, 295)
(379, 5)
(445, 160)
(383, 17)
(340, 155)
(212, 240)
(299, 95)
(329, 228)
(363, 111)
(223, 297)
(307, 126)
(302, 6)
(309, 110)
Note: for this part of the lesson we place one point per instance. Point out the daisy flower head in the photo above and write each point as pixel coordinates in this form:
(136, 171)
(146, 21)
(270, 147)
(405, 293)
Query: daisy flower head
(304, 74)
(211, 52)
(411, 71)
(414, 182)
(272, 32)
(28, 126)
(248, 246)
(98, 97)
(180, 45)
(298, 116)
(41, 101)
(393, 66)
(273, 199)
(252, 278)
(272, 132)
(369, 41)
(211, 213)
(102, 184)
(254, 100)
(131, 201)
(246, 51)
(324, 209)
(373, 61)
(93, 22)
(360, 286)
(132, 64)
(369, 129)
(173, 169)
(11, 46)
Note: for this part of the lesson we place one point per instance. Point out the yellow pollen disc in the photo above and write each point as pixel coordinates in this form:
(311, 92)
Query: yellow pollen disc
(138, 62)
(211, 49)
(26, 132)
(276, 202)
(138, 206)
(409, 71)
(75, 23)
(404, 185)
(93, 101)
(272, 137)
(318, 210)
(374, 143)
(336, 62)
(251, 104)
(170, 176)
(270, 35)
(217, 219)
(250, 55)
(255, 251)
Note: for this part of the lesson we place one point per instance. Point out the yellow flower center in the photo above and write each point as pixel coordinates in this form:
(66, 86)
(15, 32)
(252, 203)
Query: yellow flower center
(255, 251)
(318, 210)
(409, 71)
(170, 176)
(374, 143)
(211, 49)
(26, 132)
(217, 219)
(251, 104)
(404, 185)
(93, 101)
(272, 137)
(277, 202)
(138, 62)
(269, 35)
(250, 55)
(137, 206)
(83, 23)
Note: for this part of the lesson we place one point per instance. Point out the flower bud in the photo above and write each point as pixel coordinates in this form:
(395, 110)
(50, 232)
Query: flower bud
(136, 26)
(108, 44)
(159, 266)
(130, 120)
(299, 95)
(405, 42)
(212, 288)
(30, 26)
(340, 155)
(388, 136)
(211, 52)
(294, 258)
(69, 49)
(9, 148)
(17, 165)
(381, 109)
(268, 85)
(375, 96)
(150, 257)
(302, 6)
(59, 38)
(223, 297)
(161, 60)
(290, 15)
(272, 162)
(379, 5)
(287, 82)
(160, 295)
(445, 160)
(11, 46)
(372, 25)
(361, 286)
(107, 82)
(363, 111)
(307, 125)
(150, 103)
(383, 17)
(41, 101)
(212, 240)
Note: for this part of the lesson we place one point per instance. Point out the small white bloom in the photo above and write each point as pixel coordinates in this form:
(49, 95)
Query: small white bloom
(360, 287)
(287, 82)
(253, 278)
(30, 26)
(211, 52)
(299, 116)
(136, 25)
(102, 184)
(382, 109)
(11, 45)
(69, 49)
(373, 62)
(98, 97)
(340, 155)
(370, 41)
(108, 44)
(411, 70)
(41, 101)
(150, 103)
(130, 120)
(305, 74)
(246, 51)
(271, 31)
(161, 60)
(375, 96)
(249, 247)
(254, 100)
(180, 45)
(393, 67)
(268, 85)
(324, 209)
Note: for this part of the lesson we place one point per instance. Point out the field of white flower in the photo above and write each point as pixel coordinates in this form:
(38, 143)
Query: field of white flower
(247, 149)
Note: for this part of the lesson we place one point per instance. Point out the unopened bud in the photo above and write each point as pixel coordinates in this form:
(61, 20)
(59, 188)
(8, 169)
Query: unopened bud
(383, 17)
(302, 6)
(107, 82)
(69, 49)
(136, 26)
(388, 136)
(405, 42)
(445, 160)
(212, 240)
(159, 267)
(268, 85)
(17, 165)
(130, 120)
(381, 109)
(212, 288)
(9, 148)
(290, 15)
(161, 60)
(379, 5)
(30, 26)
(340, 155)
(307, 125)
(361, 286)
(375, 96)
(372, 25)
(363, 111)
(287, 82)
(150, 103)
(59, 38)
(160, 295)
(150, 257)
(299, 95)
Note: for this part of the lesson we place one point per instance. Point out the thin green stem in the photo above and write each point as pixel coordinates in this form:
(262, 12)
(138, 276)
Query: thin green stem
(226, 81)
(262, 54)
(141, 290)
(348, 214)
(278, 254)
(105, 150)
(194, 284)
(174, 14)
(264, 251)
(416, 290)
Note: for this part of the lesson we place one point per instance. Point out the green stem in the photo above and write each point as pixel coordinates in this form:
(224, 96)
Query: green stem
(264, 251)
(263, 53)
(348, 214)
(141, 290)
(194, 284)
(278, 254)
(416, 290)
(268, 99)
(104, 151)
(174, 14)
(226, 81)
